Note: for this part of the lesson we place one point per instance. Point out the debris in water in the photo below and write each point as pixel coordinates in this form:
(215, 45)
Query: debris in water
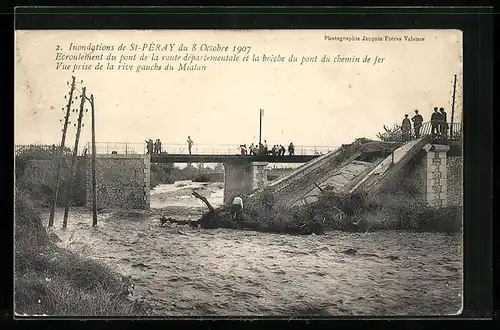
(350, 251)
(141, 265)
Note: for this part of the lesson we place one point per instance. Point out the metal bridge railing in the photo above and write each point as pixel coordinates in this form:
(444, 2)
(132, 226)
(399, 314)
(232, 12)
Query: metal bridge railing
(449, 132)
(197, 149)
(437, 130)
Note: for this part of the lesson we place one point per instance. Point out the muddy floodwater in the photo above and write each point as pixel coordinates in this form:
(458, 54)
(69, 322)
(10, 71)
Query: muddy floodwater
(182, 271)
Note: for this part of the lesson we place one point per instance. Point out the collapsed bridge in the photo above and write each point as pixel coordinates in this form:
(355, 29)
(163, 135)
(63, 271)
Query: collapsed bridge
(123, 180)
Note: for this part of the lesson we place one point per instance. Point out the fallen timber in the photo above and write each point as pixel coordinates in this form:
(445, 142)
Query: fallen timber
(222, 218)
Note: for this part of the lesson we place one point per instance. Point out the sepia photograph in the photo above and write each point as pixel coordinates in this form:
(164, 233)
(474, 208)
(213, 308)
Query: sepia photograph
(199, 173)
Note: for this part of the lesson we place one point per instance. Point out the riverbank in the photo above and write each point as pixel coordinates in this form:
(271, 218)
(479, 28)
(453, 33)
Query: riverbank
(51, 280)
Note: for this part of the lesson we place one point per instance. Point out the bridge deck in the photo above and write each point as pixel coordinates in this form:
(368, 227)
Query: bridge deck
(183, 158)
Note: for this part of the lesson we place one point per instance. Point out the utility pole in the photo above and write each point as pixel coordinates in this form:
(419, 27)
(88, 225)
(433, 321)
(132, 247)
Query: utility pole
(260, 126)
(73, 159)
(453, 105)
(94, 189)
(60, 155)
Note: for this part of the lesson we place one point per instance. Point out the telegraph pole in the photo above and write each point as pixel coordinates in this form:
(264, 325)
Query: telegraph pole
(94, 189)
(60, 155)
(453, 105)
(73, 159)
(260, 126)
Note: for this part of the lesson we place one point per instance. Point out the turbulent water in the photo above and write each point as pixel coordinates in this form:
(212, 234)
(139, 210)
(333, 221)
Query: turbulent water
(193, 272)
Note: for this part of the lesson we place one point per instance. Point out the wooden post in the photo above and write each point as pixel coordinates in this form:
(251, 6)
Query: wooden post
(60, 155)
(260, 126)
(453, 105)
(73, 159)
(94, 185)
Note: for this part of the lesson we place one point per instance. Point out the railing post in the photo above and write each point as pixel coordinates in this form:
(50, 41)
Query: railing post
(126, 148)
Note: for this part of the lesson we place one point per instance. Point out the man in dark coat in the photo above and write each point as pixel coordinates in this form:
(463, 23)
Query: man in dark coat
(149, 146)
(444, 123)
(282, 149)
(436, 121)
(406, 128)
(417, 123)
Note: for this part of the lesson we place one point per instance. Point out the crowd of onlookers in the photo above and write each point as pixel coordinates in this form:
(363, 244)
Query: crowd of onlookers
(263, 149)
(439, 125)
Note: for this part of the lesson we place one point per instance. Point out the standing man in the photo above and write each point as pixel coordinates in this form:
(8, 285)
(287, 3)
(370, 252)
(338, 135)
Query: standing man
(435, 121)
(282, 150)
(251, 149)
(417, 123)
(190, 144)
(266, 150)
(291, 149)
(155, 147)
(149, 146)
(261, 149)
(444, 123)
(158, 146)
(406, 128)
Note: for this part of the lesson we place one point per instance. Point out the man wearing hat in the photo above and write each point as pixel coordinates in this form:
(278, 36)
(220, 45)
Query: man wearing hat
(417, 123)
(444, 123)
(435, 121)
(406, 128)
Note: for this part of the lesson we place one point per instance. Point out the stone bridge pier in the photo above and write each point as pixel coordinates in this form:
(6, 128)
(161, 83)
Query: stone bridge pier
(436, 184)
(437, 174)
(241, 177)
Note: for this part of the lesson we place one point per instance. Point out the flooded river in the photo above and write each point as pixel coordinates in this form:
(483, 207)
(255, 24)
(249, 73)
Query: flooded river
(182, 271)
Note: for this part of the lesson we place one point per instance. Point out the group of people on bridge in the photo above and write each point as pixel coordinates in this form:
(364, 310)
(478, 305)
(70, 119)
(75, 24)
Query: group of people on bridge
(263, 149)
(153, 147)
(439, 125)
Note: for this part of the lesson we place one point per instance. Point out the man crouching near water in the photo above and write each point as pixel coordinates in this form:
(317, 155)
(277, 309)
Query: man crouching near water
(236, 208)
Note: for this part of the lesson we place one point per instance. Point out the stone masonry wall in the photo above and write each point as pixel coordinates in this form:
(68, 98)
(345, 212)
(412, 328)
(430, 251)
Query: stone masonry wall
(433, 177)
(259, 175)
(455, 180)
(122, 181)
(437, 185)
(238, 177)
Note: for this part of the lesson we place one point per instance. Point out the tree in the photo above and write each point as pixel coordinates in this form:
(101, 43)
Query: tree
(390, 134)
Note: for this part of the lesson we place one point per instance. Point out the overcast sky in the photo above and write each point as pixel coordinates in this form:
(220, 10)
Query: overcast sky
(310, 104)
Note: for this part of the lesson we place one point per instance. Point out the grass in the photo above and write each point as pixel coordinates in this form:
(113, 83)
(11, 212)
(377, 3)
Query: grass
(54, 281)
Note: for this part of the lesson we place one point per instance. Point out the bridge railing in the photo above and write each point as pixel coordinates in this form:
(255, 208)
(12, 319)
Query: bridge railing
(197, 149)
(450, 131)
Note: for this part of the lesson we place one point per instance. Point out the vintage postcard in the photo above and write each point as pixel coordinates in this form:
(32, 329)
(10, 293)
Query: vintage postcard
(284, 173)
